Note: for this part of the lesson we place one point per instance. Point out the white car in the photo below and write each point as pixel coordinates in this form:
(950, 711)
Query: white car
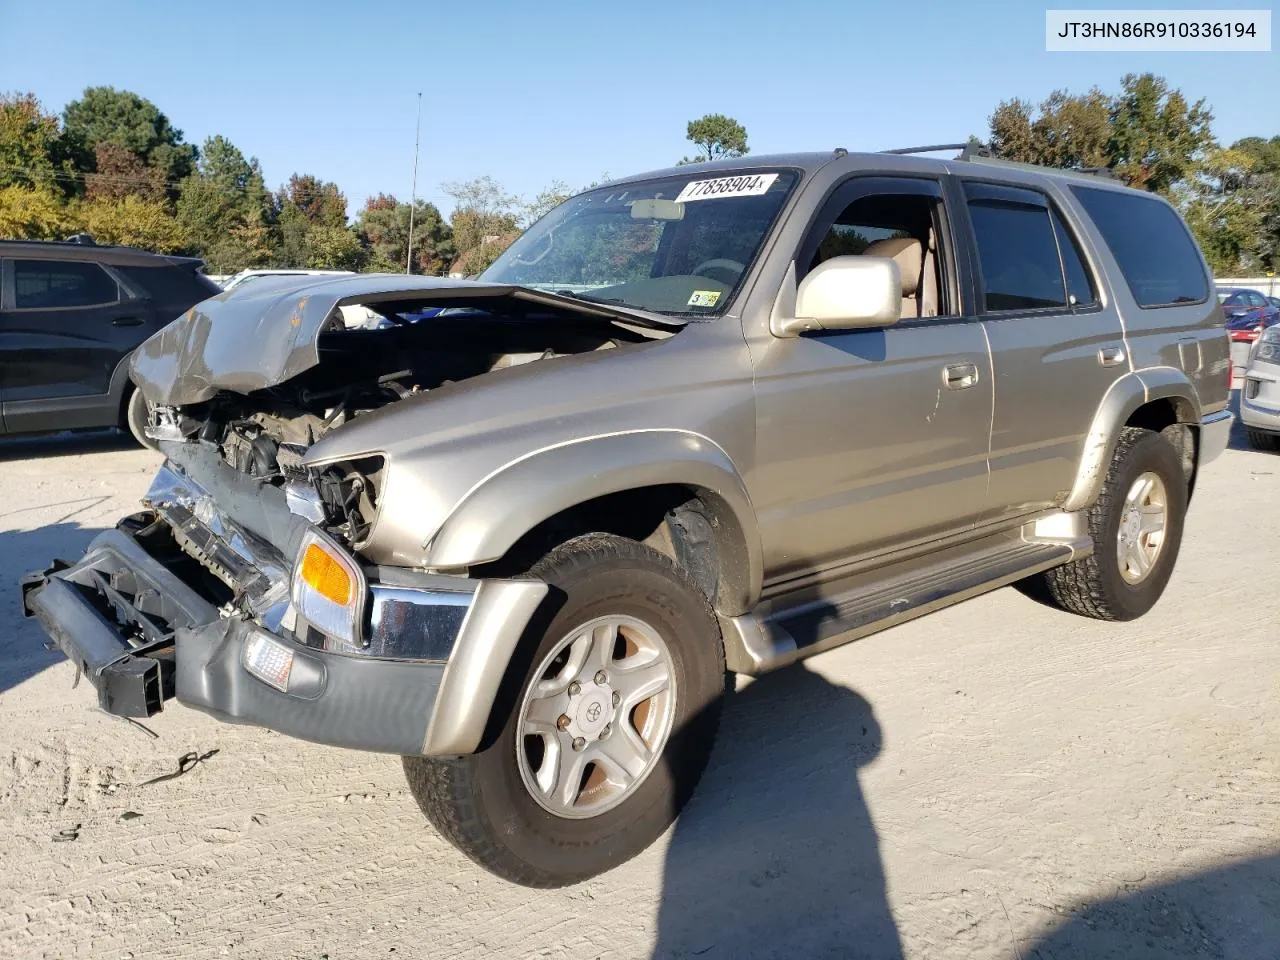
(244, 276)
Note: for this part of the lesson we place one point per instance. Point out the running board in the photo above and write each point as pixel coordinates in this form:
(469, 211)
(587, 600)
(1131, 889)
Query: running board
(798, 625)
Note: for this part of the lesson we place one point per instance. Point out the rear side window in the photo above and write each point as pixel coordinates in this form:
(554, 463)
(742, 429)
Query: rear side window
(1151, 245)
(1018, 253)
(173, 287)
(54, 284)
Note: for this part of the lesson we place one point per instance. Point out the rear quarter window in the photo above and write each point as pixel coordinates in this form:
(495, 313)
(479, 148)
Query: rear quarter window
(171, 287)
(1151, 245)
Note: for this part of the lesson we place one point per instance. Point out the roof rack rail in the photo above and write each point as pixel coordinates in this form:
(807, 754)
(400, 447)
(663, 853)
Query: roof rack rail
(973, 152)
(930, 149)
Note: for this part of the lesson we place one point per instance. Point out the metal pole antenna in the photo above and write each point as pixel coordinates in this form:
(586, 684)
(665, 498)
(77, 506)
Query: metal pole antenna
(413, 195)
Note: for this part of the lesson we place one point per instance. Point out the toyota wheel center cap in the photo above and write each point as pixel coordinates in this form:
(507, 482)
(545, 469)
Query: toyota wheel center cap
(594, 711)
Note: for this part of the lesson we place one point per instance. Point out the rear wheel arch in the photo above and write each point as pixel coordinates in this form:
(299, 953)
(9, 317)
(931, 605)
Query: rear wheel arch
(1162, 400)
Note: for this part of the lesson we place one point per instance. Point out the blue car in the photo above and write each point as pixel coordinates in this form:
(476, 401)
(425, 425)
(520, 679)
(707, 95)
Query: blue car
(1248, 312)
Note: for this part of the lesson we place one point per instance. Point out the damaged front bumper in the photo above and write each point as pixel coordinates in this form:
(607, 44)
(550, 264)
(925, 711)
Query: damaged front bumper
(139, 618)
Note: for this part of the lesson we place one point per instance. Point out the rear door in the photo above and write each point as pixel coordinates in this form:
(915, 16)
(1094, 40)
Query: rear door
(65, 327)
(1055, 348)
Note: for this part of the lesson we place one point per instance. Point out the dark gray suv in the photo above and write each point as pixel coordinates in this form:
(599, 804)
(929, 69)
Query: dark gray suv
(70, 316)
(715, 417)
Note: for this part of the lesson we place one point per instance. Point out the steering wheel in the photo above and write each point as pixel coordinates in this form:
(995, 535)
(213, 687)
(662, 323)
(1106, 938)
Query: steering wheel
(719, 268)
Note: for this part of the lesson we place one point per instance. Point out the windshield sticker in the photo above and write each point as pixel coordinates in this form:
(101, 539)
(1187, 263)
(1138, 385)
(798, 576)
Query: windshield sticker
(704, 298)
(750, 185)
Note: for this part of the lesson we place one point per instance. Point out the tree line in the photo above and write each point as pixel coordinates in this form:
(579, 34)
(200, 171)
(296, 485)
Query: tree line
(114, 166)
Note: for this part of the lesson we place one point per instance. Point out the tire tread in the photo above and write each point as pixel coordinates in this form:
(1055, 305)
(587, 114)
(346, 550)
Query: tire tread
(1079, 586)
(444, 787)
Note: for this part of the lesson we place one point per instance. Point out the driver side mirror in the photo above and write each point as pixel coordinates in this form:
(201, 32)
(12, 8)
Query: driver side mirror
(843, 293)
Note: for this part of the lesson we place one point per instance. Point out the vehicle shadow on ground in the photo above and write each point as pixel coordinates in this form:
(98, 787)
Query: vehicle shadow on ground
(1230, 911)
(22, 652)
(776, 854)
(65, 444)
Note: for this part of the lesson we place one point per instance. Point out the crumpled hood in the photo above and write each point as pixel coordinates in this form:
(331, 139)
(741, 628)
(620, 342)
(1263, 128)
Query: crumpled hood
(266, 332)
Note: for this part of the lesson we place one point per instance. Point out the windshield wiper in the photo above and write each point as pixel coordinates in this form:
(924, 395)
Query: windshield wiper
(589, 298)
(626, 312)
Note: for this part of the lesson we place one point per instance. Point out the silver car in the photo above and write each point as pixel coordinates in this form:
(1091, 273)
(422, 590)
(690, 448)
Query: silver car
(1260, 393)
(717, 417)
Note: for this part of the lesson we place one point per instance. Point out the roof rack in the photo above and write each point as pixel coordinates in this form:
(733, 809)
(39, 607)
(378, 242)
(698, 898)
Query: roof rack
(981, 153)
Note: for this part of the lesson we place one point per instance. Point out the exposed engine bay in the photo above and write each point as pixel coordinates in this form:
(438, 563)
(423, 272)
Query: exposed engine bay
(265, 434)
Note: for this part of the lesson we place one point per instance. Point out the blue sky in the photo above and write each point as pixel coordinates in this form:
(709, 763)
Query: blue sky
(532, 92)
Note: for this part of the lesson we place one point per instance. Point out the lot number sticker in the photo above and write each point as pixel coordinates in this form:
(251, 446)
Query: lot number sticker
(704, 298)
(748, 185)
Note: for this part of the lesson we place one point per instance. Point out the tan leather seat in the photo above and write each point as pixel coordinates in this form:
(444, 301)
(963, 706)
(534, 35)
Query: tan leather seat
(910, 256)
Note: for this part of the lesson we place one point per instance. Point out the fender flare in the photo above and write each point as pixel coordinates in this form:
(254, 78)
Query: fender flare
(1121, 400)
(121, 383)
(508, 503)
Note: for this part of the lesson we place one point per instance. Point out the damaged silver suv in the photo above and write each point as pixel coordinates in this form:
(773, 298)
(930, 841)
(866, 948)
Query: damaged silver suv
(716, 418)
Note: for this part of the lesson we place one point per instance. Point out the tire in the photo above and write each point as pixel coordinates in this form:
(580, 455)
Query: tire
(1261, 440)
(136, 414)
(1099, 585)
(493, 804)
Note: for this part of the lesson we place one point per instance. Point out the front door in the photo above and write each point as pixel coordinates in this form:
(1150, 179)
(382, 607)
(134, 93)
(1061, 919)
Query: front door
(870, 440)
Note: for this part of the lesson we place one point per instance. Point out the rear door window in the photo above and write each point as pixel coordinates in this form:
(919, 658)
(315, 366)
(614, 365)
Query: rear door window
(61, 284)
(1152, 246)
(1018, 254)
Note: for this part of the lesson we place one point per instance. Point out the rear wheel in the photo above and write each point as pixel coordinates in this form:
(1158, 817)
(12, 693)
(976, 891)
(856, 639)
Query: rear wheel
(611, 713)
(1261, 440)
(1136, 528)
(136, 414)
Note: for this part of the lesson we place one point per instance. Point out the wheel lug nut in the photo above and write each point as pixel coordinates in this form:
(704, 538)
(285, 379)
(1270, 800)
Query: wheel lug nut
(608, 729)
(600, 677)
(562, 721)
(575, 688)
(617, 698)
(579, 743)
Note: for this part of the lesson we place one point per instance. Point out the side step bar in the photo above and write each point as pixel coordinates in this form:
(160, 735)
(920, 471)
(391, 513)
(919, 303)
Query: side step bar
(799, 625)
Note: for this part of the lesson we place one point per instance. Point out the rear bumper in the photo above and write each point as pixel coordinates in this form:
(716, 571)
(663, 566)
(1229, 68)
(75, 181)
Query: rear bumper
(140, 635)
(1215, 434)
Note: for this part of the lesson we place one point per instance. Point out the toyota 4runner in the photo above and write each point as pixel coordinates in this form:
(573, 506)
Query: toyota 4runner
(719, 417)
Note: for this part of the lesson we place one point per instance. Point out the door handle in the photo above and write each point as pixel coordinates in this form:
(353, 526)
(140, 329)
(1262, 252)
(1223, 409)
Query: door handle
(958, 376)
(1111, 356)
(127, 322)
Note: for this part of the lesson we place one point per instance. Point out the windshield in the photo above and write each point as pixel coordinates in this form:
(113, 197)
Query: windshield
(679, 245)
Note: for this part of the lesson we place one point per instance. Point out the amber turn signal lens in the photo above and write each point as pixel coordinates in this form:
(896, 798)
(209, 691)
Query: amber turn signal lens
(325, 575)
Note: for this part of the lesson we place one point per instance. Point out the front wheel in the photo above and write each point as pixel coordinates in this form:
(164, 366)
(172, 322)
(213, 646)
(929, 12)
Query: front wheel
(136, 414)
(608, 727)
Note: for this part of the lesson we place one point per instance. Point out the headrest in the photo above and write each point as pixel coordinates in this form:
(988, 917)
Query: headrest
(907, 253)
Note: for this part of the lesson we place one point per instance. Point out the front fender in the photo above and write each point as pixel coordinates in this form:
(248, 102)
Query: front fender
(512, 500)
(1125, 396)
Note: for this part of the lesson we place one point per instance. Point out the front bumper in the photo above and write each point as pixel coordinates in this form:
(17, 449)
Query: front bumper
(1260, 396)
(141, 634)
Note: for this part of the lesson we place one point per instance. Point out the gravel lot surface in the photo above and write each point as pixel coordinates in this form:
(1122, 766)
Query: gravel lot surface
(998, 780)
